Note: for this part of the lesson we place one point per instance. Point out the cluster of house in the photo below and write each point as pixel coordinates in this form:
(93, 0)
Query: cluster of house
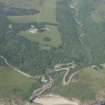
(34, 29)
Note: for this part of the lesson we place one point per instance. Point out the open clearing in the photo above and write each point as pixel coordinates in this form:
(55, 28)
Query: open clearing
(52, 34)
(25, 4)
(23, 19)
(55, 100)
(47, 13)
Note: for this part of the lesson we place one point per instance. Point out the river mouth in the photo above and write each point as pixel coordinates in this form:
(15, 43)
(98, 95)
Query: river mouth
(51, 99)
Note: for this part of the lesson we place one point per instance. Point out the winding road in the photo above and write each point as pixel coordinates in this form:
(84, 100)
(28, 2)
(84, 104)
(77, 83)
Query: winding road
(57, 68)
(50, 84)
(67, 68)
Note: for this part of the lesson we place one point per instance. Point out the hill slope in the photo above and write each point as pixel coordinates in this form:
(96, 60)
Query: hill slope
(62, 31)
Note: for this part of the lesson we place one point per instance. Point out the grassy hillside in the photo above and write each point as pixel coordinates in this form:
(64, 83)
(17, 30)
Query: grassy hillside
(88, 85)
(22, 3)
(24, 49)
(52, 34)
(48, 11)
(13, 83)
(23, 19)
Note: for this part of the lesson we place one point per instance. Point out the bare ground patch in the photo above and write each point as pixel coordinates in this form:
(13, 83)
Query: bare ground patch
(55, 100)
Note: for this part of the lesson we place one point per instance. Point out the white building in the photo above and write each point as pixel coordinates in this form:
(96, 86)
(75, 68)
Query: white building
(10, 26)
(33, 30)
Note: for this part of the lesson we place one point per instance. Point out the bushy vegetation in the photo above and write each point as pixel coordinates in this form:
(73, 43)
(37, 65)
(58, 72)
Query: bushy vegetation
(13, 83)
(89, 84)
(93, 31)
(69, 30)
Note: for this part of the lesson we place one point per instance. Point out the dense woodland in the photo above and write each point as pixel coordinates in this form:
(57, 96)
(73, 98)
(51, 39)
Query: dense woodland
(29, 57)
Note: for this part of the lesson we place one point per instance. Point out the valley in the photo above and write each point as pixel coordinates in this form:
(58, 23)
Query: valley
(52, 50)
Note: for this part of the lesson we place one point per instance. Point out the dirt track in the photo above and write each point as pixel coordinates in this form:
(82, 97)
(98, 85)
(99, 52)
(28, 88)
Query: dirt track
(14, 68)
(55, 100)
(67, 69)
(45, 87)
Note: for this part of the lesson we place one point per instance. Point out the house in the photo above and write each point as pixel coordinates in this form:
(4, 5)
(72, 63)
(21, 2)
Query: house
(43, 29)
(33, 30)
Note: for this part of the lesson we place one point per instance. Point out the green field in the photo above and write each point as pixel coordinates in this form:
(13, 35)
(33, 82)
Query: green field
(91, 83)
(47, 13)
(22, 19)
(26, 4)
(13, 83)
(52, 34)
